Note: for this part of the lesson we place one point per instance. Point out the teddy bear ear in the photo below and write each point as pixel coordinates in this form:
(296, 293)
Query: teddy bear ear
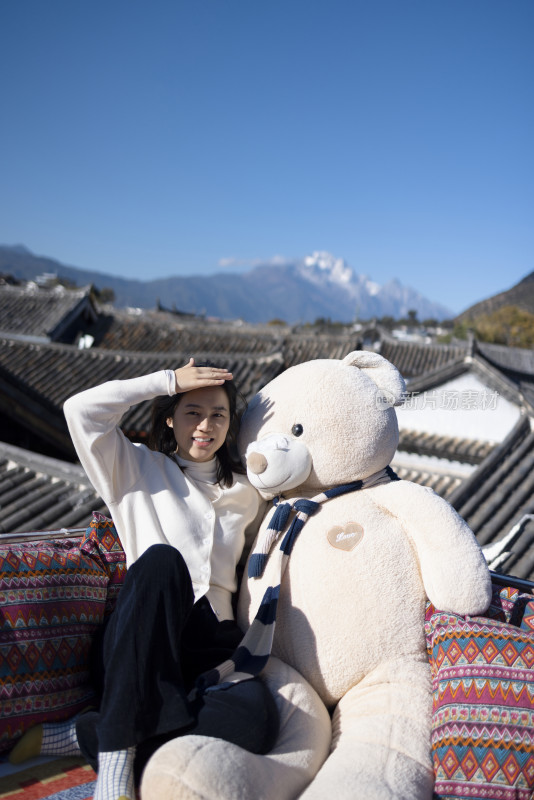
(380, 371)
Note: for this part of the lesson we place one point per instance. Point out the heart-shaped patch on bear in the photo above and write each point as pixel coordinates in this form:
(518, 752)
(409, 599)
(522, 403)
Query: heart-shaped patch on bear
(345, 537)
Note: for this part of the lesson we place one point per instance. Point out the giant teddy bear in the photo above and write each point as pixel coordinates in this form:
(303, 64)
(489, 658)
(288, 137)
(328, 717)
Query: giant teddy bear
(349, 667)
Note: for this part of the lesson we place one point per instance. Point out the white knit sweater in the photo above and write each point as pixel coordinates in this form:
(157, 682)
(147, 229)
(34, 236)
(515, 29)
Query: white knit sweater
(150, 498)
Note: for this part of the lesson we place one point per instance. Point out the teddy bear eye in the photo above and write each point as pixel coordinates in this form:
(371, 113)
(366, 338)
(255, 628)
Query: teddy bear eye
(297, 430)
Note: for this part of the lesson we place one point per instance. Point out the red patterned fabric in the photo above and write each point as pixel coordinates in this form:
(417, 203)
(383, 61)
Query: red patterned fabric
(101, 541)
(483, 700)
(52, 599)
(53, 596)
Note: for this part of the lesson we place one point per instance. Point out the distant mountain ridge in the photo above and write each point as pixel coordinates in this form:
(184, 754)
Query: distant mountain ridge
(319, 285)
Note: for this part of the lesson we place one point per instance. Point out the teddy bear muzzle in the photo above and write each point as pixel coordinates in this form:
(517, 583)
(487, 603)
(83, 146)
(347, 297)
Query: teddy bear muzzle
(277, 462)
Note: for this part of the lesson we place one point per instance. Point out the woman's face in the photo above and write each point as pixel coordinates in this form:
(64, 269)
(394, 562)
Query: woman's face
(200, 423)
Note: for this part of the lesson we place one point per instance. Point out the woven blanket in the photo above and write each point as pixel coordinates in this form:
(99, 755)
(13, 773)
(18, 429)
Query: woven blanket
(57, 779)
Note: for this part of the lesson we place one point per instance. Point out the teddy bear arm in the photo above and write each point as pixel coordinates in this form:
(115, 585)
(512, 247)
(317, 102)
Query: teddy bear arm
(453, 569)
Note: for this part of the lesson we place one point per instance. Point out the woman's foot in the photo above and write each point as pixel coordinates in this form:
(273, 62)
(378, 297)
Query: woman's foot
(115, 778)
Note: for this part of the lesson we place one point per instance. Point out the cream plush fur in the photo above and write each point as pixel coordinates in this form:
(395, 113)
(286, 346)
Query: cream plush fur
(351, 609)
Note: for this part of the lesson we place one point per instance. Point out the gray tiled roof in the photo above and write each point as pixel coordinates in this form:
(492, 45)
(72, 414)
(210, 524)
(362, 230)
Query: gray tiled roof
(38, 493)
(491, 375)
(57, 371)
(516, 360)
(501, 491)
(466, 451)
(417, 358)
(37, 378)
(443, 483)
(301, 347)
(509, 370)
(159, 332)
(38, 313)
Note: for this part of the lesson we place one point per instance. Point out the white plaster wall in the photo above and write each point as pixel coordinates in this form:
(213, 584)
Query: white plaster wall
(464, 407)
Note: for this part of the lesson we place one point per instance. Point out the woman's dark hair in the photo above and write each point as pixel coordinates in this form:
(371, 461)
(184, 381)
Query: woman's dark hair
(161, 437)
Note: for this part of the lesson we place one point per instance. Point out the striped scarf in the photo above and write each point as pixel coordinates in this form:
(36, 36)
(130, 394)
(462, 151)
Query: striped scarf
(252, 654)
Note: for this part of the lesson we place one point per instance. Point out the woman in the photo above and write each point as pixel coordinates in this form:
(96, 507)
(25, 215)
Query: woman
(181, 509)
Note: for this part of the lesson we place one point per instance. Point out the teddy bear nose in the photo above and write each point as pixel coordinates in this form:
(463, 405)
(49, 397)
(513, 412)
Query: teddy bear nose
(256, 463)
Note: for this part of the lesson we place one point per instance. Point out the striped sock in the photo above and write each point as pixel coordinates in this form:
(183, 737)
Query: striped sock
(115, 780)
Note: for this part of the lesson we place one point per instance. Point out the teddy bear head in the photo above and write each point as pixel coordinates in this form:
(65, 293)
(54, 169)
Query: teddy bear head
(321, 424)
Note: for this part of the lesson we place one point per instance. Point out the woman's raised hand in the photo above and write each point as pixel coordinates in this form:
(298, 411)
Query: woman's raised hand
(192, 377)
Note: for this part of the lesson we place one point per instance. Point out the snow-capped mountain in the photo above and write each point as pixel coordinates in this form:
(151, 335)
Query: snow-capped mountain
(322, 266)
(319, 285)
(363, 296)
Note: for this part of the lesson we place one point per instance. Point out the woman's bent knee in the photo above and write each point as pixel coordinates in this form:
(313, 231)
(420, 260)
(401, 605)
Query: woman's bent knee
(160, 560)
(244, 713)
(161, 570)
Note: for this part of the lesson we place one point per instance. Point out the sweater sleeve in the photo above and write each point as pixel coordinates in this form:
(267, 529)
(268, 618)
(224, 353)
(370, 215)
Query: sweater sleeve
(110, 460)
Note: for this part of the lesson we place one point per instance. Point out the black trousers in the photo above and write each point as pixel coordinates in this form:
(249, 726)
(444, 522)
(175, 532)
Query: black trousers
(146, 659)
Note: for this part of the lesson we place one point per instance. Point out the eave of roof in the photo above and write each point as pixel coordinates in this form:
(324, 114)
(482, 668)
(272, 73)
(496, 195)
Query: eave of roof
(467, 451)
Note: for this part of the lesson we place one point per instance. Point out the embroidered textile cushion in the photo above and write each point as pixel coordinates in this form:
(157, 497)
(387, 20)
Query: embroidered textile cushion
(483, 695)
(101, 542)
(53, 596)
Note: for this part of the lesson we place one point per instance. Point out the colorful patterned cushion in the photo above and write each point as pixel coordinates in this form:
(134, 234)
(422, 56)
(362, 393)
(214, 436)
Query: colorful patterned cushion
(483, 695)
(101, 541)
(53, 596)
(509, 604)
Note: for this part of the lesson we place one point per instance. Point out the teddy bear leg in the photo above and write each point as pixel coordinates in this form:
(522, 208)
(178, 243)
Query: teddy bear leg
(381, 741)
(204, 768)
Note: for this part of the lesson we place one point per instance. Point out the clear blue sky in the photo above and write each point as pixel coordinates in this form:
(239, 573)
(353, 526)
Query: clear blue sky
(166, 137)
